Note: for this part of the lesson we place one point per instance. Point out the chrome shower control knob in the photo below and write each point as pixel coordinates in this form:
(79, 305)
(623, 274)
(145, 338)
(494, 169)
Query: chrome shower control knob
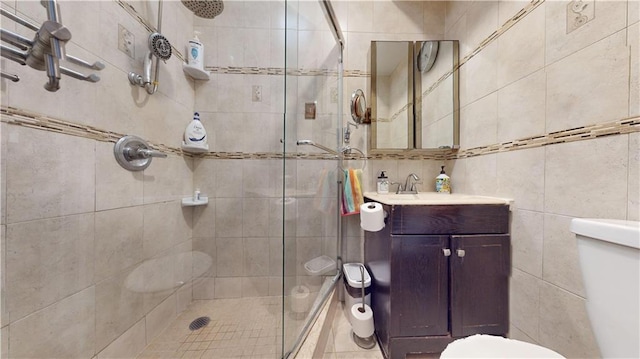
(133, 153)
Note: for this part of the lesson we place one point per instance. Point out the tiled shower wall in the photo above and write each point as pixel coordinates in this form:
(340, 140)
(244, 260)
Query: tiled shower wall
(76, 226)
(533, 80)
(242, 109)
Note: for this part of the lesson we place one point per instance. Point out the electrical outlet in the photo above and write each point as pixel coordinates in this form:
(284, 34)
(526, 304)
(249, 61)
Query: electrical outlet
(126, 41)
(256, 93)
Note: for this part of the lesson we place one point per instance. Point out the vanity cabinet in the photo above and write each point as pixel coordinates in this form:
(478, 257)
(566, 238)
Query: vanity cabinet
(439, 273)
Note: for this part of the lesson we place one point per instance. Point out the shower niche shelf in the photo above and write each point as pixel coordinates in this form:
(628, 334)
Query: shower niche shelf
(196, 73)
(194, 149)
(190, 202)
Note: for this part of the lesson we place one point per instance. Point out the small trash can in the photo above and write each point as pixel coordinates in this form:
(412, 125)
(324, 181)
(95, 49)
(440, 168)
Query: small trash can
(353, 285)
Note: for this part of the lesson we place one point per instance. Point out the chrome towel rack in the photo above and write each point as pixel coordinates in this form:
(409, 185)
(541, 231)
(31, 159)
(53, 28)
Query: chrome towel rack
(45, 51)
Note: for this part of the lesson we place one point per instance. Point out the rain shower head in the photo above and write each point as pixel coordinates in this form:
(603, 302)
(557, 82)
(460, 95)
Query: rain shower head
(160, 46)
(207, 9)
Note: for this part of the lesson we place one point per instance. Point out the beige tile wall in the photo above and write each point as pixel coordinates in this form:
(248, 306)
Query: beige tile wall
(243, 225)
(533, 80)
(546, 81)
(506, 94)
(76, 227)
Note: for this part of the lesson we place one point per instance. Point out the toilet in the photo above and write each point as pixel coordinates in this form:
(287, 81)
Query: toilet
(490, 346)
(610, 262)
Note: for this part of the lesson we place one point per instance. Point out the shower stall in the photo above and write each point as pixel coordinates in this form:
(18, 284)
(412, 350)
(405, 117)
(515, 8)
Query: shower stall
(102, 261)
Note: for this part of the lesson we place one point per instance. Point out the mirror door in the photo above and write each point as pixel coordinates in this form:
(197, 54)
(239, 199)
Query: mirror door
(414, 96)
(392, 95)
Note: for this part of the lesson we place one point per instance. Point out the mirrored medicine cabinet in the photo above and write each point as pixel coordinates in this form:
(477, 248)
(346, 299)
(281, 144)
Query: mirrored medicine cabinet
(414, 96)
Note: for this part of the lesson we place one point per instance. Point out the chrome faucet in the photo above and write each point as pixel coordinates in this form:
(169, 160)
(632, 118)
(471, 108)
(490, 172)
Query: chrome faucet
(412, 188)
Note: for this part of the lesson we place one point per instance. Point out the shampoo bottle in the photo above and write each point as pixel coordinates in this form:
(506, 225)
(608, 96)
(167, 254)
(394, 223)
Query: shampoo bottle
(383, 183)
(443, 182)
(196, 52)
(195, 134)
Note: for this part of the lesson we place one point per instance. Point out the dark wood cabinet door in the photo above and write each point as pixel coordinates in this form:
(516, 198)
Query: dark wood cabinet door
(480, 266)
(419, 285)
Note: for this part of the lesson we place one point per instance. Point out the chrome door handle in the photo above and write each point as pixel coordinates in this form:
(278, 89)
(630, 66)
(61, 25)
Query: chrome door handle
(446, 251)
(460, 253)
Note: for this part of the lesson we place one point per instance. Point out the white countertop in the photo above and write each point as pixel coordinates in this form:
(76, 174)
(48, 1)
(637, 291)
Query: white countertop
(434, 198)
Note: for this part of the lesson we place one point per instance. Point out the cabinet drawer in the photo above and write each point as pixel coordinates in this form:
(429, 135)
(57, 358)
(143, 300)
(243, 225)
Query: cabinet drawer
(450, 219)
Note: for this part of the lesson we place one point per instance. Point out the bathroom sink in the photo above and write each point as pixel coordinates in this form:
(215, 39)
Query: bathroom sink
(433, 198)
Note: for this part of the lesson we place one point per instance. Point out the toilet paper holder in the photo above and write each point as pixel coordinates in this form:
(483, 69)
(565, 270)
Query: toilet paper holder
(369, 341)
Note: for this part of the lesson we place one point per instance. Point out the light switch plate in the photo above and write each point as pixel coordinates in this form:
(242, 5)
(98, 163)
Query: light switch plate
(126, 41)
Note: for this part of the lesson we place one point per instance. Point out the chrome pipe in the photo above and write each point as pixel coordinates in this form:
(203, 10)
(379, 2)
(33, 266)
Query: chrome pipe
(146, 153)
(159, 27)
(311, 143)
(95, 66)
(152, 87)
(19, 20)
(146, 71)
(16, 40)
(53, 12)
(11, 77)
(52, 66)
(13, 54)
(78, 75)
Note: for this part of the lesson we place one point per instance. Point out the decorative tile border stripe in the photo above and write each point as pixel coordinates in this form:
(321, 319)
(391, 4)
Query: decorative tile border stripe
(19, 117)
(356, 73)
(25, 118)
(506, 26)
(231, 70)
(620, 127)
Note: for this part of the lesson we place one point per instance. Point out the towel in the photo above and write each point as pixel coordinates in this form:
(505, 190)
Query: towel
(352, 194)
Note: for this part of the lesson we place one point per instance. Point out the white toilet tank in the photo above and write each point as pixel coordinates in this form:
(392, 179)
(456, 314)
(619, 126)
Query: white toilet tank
(610, 263)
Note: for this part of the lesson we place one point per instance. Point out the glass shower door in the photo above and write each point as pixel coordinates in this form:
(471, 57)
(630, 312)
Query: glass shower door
(310, 171)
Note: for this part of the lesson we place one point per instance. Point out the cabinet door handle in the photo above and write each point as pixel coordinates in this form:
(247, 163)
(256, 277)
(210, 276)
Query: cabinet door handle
(446, 251)
(460, 253)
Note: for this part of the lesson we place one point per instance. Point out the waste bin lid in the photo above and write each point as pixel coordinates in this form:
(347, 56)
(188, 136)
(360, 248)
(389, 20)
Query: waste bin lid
(353, 276)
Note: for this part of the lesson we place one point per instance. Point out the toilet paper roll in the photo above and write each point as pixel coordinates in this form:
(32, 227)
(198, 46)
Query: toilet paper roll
(371, 216)
(362, 323)
(299, 299)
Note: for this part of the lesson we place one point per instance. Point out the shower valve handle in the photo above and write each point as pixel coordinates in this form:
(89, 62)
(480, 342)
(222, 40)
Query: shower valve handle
(133, 153)
(146, 153)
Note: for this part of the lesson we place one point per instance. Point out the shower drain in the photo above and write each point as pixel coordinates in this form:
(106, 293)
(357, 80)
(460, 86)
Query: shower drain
(199, 323)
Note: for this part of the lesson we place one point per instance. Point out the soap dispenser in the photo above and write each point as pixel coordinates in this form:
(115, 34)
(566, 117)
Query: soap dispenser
(195, 136)
(443, 182)
(383, 183)
(196, 52)
(194, 66)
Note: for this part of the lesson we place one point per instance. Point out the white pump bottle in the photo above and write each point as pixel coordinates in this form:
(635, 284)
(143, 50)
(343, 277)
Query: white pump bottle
(195, 55)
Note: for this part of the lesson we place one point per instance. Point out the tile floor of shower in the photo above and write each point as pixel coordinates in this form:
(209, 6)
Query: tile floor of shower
(245, 328)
